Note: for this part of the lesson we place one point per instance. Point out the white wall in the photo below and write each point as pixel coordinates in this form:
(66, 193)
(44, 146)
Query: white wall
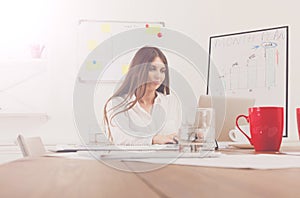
(198, 19)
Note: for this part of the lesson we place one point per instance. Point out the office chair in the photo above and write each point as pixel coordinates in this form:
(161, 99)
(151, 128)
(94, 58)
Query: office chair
(31, 147)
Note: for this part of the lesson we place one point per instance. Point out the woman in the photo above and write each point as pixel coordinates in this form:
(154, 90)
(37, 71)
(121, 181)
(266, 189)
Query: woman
(142, 111)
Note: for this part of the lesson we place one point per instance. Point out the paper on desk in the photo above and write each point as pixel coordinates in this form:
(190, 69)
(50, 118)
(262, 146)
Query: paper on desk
(292, 153)
(258, 161)
(73, 155)
(156, 154)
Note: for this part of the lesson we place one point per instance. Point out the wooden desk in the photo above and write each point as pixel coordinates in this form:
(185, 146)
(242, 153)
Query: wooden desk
(191, 181)
(59, 177)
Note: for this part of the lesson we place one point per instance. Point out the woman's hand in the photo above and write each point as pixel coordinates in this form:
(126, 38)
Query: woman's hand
(165, 139)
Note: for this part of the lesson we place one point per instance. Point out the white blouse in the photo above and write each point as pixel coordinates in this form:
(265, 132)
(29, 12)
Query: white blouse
(137, 127)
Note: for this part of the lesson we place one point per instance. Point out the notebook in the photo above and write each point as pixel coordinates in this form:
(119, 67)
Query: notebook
(226, 111)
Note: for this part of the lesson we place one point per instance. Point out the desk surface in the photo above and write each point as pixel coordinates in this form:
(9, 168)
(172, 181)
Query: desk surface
(61, 177)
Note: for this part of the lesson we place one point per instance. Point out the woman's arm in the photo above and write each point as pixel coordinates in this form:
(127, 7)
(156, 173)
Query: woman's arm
(120, 137)
(125, 136)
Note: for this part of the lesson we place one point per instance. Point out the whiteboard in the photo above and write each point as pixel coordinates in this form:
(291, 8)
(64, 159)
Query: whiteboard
(92, 33)
(252, 64)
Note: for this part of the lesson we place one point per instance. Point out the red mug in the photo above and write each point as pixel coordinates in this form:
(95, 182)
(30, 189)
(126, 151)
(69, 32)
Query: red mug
(298, 120)
(266, 127)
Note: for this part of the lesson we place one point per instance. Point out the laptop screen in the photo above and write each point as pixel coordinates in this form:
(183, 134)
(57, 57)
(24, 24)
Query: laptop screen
(226, 110)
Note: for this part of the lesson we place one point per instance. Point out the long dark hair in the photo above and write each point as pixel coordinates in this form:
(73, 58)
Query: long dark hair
(135, 82)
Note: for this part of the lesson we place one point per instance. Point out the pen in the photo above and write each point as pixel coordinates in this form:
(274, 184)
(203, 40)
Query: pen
(66, 150)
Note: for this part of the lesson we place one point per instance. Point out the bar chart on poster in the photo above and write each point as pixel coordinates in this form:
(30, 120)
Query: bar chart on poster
(252, 64)
(91, 33)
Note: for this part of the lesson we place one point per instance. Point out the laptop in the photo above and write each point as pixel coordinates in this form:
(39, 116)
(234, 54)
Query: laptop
(226, 111)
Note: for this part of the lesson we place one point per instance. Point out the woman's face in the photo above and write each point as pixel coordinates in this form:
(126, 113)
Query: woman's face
(157, 73)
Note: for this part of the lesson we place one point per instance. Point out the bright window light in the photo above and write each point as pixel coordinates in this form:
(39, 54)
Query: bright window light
(22, 24)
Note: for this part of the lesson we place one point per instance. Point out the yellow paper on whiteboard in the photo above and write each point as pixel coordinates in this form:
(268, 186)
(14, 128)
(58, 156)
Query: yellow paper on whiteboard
(91, 44)
(93, 65)
(125, 69)
(153, 30)
(105, 28)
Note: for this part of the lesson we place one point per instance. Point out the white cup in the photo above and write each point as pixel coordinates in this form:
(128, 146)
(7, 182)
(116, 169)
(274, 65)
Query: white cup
(237, 136)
